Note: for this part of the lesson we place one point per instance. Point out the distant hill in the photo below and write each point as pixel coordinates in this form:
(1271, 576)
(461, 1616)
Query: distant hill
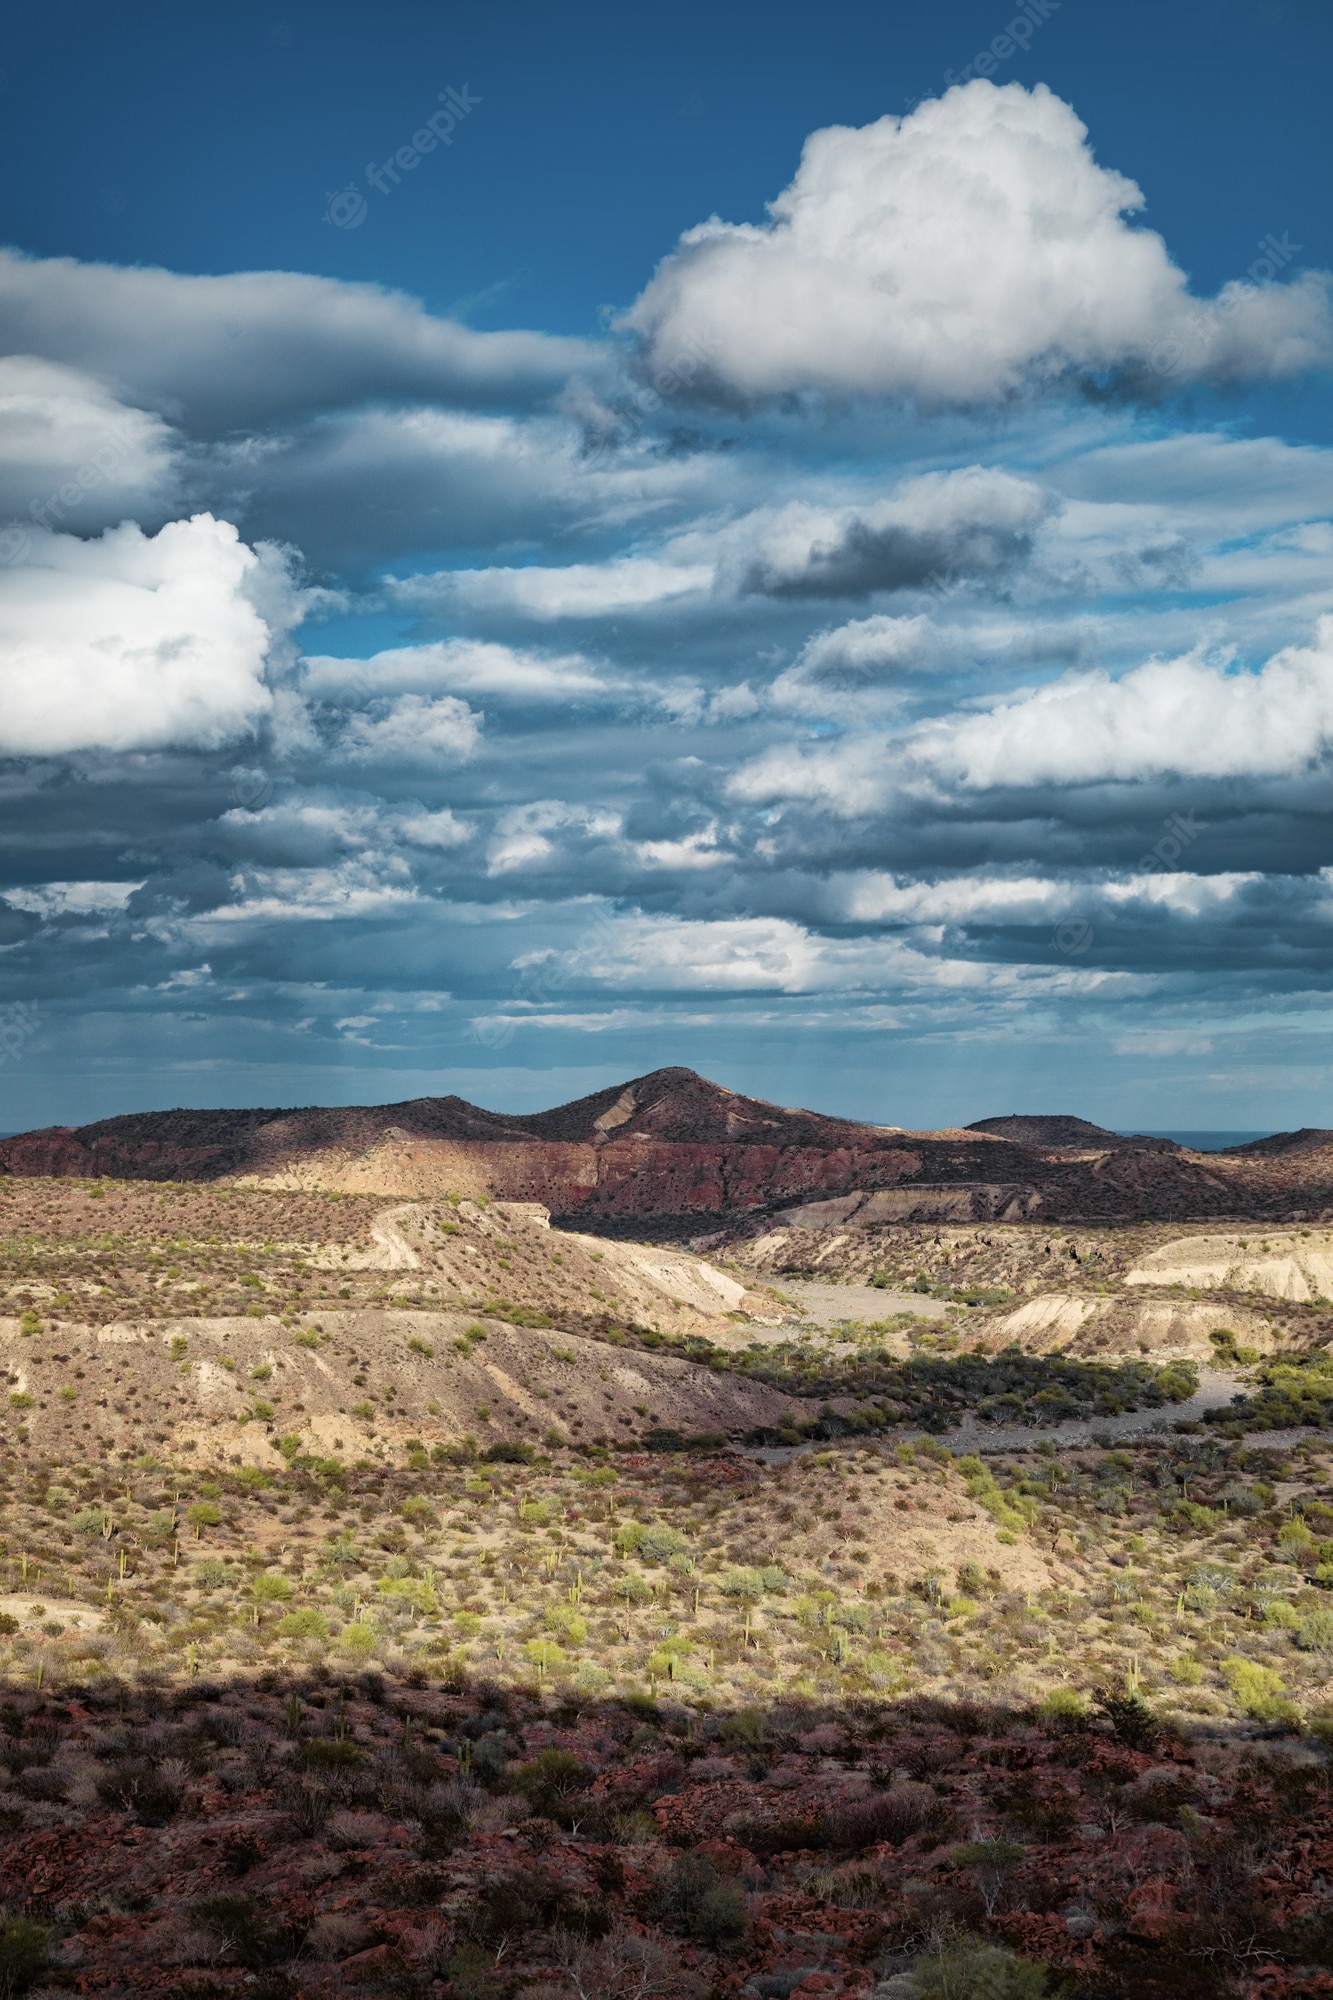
(1310, 1139)
(1042, 1132)
(672, 1155)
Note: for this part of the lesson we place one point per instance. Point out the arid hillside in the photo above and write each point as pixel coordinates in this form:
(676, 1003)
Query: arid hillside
(661, 1155)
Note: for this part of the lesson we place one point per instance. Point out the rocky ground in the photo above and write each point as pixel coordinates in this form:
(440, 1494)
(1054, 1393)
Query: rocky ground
(904, 1725)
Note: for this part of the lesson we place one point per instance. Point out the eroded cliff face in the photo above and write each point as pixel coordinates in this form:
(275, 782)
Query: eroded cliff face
(676, 1152)
(613, 1178)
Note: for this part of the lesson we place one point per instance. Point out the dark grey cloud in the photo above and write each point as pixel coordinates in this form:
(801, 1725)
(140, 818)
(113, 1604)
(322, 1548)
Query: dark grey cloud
(865, 559)
(253, 349)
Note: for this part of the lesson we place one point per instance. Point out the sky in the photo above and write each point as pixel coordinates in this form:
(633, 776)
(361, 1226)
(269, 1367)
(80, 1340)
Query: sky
(537, 544)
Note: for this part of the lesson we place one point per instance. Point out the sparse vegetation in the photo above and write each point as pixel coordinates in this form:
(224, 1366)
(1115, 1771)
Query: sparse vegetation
(471, 1657)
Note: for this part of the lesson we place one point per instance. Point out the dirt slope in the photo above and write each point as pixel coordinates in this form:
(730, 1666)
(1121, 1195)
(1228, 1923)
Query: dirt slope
(365, 1383)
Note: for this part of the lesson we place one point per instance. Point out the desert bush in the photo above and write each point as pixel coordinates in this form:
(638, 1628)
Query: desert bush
(549, 1781)
(25, 1952)
(1064, 1708)
(659, 1542)
(976, 1970)
(489, 1756)
(1259, 1691)
(331, 1754)
(149, 1791)
(1132, 1720)
(697, 1899)
(305, 1624)
(249, 1933)
(992, 1862)
(621, 1966)
(891, 1816)
(1314, 1632)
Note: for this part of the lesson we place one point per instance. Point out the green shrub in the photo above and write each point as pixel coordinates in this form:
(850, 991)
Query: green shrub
(270, 1588)
(1314, 1632)
(658, 1542)
(331, 1753)
(975, 1970)
(1259, 1691)
(747, 1585)
(304, 1624)
(703, 1903)
(884, 1672)
(1065, 1708)
(25, 1950)
(1130, 1717)
(549, 1781)
(545, 1654)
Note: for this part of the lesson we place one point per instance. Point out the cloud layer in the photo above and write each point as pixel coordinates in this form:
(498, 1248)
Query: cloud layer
(820, 669)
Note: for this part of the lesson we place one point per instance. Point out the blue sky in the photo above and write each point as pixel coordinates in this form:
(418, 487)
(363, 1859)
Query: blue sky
(727, 550)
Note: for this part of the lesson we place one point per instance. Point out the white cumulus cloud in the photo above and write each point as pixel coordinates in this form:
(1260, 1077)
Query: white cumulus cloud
(132, 641)
(414, 730)
(1186, 717)
(468, 666)
(774, 955)
(955, 255)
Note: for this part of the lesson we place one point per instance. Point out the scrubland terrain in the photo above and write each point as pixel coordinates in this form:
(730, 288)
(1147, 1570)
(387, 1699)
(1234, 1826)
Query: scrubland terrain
(412, 1598)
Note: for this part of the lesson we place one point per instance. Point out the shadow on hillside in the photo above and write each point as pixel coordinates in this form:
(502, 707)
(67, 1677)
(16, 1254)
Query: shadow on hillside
(297, 1834)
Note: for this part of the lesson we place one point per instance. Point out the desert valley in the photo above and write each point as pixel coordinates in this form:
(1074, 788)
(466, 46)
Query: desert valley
(671, 1544)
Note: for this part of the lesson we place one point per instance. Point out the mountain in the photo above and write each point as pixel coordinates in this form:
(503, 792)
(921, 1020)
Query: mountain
(1043, 1133)
(667, 1153)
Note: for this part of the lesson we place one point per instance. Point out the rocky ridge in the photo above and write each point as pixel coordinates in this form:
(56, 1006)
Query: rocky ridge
(659, 1154)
